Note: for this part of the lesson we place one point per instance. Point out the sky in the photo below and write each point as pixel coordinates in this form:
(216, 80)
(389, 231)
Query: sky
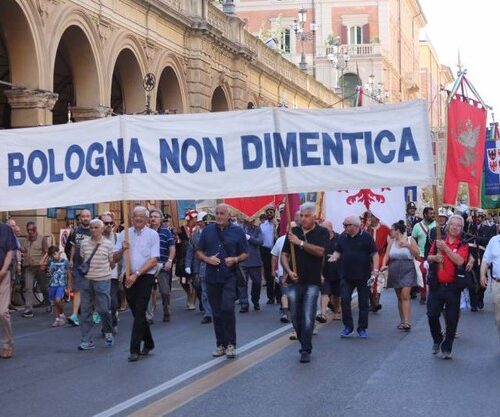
(471, 27)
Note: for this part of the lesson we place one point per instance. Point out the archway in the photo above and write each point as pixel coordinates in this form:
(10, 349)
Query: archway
(348, 83)
(219, 100)
(169, 94)
(127, 92)
(18, 55)
(75, 74)
(250, 105)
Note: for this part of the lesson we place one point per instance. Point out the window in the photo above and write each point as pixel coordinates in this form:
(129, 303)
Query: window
(284, 41)
(355, 35)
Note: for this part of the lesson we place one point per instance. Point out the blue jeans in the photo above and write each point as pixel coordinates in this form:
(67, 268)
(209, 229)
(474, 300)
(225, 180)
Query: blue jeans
(346, 290)
(255, 274)
(303, 300)
(96, 294)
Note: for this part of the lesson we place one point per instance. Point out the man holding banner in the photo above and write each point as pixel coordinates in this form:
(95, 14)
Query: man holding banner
(309, 243)
(144, 248)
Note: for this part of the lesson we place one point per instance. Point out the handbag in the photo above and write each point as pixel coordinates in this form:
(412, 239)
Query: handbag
(416, 263)
(84, 267)
(241, 278)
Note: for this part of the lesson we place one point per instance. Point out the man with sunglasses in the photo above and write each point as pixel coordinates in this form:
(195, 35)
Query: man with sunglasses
(359, 259)
(110, 234)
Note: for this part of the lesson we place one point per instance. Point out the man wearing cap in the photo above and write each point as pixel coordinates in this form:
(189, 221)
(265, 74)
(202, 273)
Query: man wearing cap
(268, 229)
(420, 233)
(222, 246)
(491, 259)
(252, 266)
(197, 269)
(411, 218)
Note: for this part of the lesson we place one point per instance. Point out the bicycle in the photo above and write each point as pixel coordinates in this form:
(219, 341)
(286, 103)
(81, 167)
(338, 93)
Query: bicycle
(18, 295)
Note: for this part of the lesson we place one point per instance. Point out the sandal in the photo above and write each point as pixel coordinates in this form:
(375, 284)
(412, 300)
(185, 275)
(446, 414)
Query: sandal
(406, 327)
(321, 318)
(400, 326)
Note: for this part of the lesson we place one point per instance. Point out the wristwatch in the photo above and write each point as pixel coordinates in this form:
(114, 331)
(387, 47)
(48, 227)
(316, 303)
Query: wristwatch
(301, 244)
(137, 273)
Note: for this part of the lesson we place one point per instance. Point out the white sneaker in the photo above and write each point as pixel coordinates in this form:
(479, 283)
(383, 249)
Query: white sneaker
(230, 352)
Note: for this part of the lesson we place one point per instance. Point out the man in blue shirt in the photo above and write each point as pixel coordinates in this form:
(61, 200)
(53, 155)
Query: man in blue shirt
(222, 246)
(167, 255)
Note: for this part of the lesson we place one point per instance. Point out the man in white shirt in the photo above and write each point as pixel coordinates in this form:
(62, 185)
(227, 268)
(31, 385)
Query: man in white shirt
(268, 229)
(491, 258)
(144, 249)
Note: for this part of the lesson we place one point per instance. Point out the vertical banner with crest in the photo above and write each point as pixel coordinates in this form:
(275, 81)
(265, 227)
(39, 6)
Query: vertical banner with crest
(466, 137)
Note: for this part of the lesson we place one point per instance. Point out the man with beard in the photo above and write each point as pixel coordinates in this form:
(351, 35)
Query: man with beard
(81, 233)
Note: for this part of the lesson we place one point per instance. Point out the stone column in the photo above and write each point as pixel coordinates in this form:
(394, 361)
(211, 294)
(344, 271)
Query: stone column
(83, 113)
(31, 107)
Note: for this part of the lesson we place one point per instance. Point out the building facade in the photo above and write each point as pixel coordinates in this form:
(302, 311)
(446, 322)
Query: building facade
(381, 38)
(77, 60)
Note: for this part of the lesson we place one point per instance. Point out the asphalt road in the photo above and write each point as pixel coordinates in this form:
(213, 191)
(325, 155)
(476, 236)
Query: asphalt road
(389, 374)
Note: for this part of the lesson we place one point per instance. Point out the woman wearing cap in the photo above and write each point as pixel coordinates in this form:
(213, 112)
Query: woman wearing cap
(402, 276)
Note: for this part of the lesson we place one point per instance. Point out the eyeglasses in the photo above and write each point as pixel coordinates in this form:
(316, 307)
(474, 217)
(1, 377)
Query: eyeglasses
(108, 223)
(346, 224)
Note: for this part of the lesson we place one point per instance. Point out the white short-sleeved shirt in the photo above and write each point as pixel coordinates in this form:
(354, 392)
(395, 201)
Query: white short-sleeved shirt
(492, 255)
(276, 251)
(144, 245)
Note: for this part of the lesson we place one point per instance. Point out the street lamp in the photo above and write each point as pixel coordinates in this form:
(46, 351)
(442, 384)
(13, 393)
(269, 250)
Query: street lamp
(301, 34)
(340, 60)
(376, 91)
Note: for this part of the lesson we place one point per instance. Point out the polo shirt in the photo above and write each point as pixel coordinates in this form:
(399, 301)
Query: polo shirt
(7, 242)
(492, 255)
(309, 267)
(210, 244)
(357, 252)
(420, 236)
(144, 245)
(166, 241)
(447, 274)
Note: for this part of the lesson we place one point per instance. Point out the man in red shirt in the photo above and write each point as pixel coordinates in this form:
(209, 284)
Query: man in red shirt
(444, 258)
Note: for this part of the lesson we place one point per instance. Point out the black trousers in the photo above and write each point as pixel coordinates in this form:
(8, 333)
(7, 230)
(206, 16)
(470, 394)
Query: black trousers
(265, 254)
(138, 299)
(221, 297)
(447, 299)
(115, 301)
(346, 290)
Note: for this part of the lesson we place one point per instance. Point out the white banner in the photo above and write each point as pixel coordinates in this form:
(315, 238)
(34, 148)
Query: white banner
(215, 155)
(388, 204)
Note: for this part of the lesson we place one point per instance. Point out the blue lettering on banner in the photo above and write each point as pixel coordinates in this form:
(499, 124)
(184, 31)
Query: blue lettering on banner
(370, 158)
(97, 160)
(352, 138)
(331, 147)
(175, 156)
(253, 141)
(135, 158)
(407, 147)
(384, 158)
(306, 147)
(283, 152)
(17, 173)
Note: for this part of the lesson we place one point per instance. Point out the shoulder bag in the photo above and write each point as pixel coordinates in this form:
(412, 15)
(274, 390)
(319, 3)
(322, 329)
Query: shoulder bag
(83, 268)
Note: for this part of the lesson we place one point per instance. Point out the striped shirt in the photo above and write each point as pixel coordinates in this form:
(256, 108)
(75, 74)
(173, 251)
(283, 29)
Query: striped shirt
(100, 268)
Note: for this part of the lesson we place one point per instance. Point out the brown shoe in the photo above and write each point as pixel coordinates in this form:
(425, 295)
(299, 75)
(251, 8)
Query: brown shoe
(6, 353)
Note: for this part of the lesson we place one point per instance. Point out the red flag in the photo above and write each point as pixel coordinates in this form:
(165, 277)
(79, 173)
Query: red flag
(466, 137)
(250, 206)
(293, 202)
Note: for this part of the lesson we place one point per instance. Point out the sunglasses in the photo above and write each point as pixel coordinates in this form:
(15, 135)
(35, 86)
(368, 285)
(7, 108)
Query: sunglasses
(108, 223)
(346, 224)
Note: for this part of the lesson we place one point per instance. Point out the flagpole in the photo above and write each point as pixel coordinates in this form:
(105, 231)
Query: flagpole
(289, 228)
(125, 208)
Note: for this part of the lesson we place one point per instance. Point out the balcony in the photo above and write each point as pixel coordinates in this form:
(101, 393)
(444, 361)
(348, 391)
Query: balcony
(359, 50)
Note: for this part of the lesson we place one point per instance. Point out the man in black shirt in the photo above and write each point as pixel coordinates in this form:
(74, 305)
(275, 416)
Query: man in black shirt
(309, 244)
(359, 256)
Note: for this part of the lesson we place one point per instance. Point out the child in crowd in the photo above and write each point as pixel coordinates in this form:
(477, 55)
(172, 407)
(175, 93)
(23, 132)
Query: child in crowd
(58, 271)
